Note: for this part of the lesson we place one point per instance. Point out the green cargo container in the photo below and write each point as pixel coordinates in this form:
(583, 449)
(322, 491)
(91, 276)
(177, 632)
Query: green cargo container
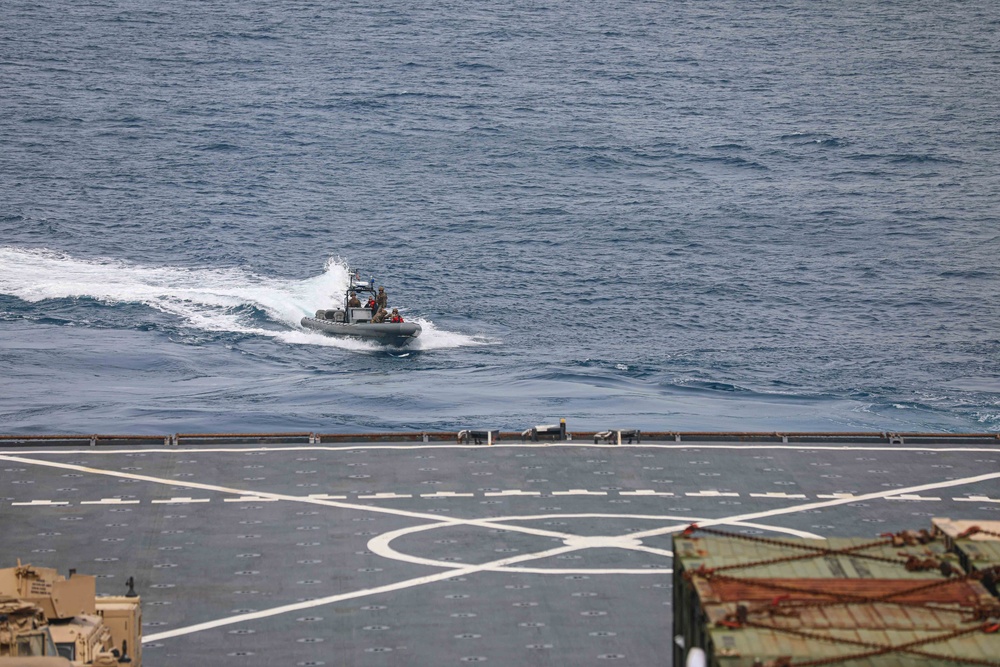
(742, 599)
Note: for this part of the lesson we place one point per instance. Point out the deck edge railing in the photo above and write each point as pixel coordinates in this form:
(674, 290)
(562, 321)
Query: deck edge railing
(503, 437)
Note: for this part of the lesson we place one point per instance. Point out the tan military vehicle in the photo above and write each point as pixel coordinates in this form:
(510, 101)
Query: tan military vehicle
(47, 620)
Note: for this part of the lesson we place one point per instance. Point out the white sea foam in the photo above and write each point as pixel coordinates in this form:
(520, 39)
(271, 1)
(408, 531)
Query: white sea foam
(432, 338)
(204, 299)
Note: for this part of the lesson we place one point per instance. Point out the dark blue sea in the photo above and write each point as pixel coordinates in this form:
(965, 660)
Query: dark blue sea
(664, 215)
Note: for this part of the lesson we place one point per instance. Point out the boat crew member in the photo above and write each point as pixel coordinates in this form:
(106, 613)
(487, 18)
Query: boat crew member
(371, 305)
(382, 299)
(355, 302)
(379, 317)
(396, 317)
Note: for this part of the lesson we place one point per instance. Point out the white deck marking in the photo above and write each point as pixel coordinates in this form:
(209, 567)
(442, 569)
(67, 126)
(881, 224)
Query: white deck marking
(512, 492)
(451, 570)
(313, 499)
(602, 541)
(388, 588)
(109, 501)
(829, 503)
(714, 494)
(662, 552)
(41, 503)
(388, 495)
(646, 492)
(382, 544)
(508, 493)
(179, 501)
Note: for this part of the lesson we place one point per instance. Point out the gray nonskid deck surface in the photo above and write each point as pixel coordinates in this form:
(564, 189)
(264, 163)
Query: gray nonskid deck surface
(374, 554)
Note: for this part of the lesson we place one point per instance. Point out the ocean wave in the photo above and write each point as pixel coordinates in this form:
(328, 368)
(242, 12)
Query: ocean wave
(904, 158)
(729, 160)
(990, 420)
(814, 139)
(921, 158)
(462, 64)
(710, 386)
(602, 380)
(217, 146)
(420, 94)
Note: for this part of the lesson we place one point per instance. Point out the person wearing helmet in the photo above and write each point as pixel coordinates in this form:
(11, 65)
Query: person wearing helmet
(379, 316)
(382, 299)
(354, 302)
(396, 317)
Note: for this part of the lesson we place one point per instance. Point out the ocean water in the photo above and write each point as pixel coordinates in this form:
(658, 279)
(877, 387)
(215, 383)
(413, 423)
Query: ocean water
(659, 215)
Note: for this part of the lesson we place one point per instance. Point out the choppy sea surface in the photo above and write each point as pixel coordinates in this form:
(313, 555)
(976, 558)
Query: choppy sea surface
(659, 215)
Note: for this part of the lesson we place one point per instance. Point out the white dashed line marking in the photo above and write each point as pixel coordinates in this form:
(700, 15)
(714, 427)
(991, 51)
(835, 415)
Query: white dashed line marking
(646, 492)
(180, 501)
(512, 492)
(37, 503)
(390, 495)
(712, 494)
(109, 501)
(977, 499)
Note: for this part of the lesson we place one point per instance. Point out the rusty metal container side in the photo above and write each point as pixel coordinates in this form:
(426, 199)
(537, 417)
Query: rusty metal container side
(955, 591)
(715, 569)
(744, 647)
(806, 559)
(957, 604)
(799, 616)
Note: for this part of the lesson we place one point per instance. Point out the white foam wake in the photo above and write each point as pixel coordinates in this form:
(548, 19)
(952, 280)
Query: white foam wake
(205, 299)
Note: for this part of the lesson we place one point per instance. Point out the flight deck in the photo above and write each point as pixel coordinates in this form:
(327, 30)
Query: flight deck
(419, 550)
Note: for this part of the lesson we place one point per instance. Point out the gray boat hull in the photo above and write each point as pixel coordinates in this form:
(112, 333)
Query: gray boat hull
(386, 333)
